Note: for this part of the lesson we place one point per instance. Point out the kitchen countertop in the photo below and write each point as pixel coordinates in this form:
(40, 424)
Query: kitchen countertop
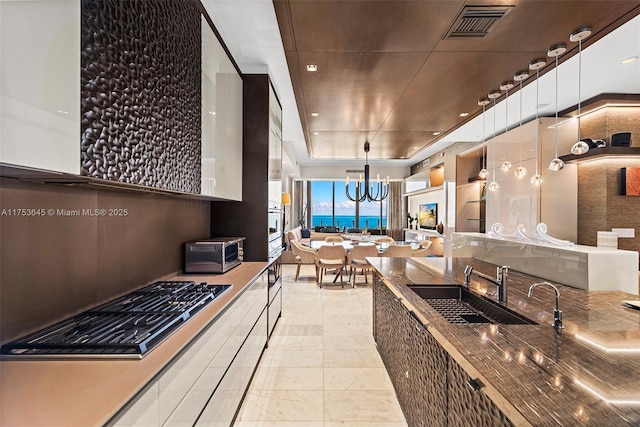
(88, 392)
(587, 375)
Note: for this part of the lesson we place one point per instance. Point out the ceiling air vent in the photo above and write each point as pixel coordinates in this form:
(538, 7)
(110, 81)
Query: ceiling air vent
(475, 21)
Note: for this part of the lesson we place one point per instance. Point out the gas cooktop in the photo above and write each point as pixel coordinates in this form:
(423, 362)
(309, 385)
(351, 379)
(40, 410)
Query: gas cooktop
(129, 326)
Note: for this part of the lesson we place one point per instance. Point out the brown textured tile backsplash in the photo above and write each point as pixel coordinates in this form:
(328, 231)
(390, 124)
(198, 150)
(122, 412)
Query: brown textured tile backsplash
(601, 206)
(55, 265)
(603, 123)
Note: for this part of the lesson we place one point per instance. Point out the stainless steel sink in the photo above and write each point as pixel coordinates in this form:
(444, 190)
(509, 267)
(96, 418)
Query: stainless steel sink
(458, 305)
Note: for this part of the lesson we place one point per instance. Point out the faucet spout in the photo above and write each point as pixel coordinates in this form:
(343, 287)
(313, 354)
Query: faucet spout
(557, 314)
(500, 281)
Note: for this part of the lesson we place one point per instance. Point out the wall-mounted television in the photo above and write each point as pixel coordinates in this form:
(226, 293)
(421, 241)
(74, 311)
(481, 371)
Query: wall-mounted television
(428, 216)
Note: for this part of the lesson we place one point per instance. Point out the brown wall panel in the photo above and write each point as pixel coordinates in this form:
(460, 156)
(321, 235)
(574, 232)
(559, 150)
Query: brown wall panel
(53, 266)
(603, 123)
(601, 206)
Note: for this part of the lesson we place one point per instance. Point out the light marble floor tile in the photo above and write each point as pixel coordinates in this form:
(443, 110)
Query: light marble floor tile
(353, 329)
(293, 330)
(293, 359)
(352, 359)
(364, 424)
(376, 406)
(282, 405)
(349, 342)
(283, 424)
(357, 379)
(296, 342)
(321, 368)
(346, 319)
(288, 379)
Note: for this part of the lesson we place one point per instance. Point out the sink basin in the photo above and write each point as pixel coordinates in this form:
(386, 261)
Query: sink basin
(458, 305)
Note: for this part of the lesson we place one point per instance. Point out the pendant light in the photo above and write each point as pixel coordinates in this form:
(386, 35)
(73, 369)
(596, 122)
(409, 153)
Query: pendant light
(520, 172)
(580, 147)
(536, 64)
(484, 173)
(493, 185)
(555, 51)
(506, 86)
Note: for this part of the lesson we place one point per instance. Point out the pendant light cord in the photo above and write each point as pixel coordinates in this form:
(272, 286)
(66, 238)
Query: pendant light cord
(556, 127)
(506, 126)
(537, 116)
(520, 127)
(484, 164)
(579, 82)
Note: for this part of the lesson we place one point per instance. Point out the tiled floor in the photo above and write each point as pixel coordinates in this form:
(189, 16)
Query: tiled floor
(321, 367)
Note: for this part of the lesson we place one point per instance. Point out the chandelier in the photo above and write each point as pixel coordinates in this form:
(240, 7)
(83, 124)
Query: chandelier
(365, 190)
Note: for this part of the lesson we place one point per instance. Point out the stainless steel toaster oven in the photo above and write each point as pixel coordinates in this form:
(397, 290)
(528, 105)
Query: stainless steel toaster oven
(216, 255)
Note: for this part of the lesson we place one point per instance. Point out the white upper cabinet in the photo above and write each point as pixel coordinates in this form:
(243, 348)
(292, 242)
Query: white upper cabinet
(221, 121)
(40, 84)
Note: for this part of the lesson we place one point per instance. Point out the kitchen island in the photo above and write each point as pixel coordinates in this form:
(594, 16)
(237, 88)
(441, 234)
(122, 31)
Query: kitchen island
(88, 392)
(490, 374)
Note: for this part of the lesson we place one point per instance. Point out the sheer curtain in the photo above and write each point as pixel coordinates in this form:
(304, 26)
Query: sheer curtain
(396, 211)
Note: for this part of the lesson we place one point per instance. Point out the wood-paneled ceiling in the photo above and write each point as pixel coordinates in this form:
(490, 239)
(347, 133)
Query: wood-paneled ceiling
(387, 73)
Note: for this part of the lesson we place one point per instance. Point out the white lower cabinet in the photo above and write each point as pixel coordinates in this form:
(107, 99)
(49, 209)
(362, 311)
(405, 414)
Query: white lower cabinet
(204, 385)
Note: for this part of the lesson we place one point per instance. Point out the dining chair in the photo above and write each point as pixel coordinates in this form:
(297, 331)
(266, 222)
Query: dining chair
(330, 257)
(303, 255)
(418, 253)
(356, 259)
(334, 239)
(426, 244)
(397, 251)
(385, 239)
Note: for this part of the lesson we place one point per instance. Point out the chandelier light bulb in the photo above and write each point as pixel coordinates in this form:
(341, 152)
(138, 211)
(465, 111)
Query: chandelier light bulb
(506, 165)
(537, 179)
(520, 172)
(493, 186)
(556, 165)
(580, 147)
(483, 173)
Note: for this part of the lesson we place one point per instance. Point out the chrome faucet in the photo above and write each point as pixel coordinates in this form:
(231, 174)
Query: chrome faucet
(500, 281)
(557, 314)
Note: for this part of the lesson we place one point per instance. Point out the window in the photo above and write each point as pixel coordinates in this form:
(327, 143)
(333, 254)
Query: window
(331, 207)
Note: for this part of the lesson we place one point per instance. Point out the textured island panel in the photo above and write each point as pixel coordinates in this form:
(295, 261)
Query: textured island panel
(416, 363)
(141, 100)
(466, 407)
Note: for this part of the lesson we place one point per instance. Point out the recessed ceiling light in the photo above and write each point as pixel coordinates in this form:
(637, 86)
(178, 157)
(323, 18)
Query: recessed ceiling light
(213, 113)
(316, 133)
(312, 68)
(416, 147)
(463, 114)
(315, 114)
(436, 133)
(63, 112)
(629, 60)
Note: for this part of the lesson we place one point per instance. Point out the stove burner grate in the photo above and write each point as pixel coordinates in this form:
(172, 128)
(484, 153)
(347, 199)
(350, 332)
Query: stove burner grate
(130, 325)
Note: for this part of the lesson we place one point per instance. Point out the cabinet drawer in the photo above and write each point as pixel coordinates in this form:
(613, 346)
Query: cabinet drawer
(226, 399)
(180, 393)
(274, 310)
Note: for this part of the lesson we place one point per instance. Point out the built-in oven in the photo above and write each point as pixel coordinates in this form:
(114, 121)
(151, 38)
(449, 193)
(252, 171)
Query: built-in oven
(274, 231)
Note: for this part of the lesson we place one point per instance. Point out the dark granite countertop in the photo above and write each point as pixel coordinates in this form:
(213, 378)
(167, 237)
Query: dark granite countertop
(589, 374)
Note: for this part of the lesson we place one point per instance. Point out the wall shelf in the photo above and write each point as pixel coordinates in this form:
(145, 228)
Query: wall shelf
(596, 153)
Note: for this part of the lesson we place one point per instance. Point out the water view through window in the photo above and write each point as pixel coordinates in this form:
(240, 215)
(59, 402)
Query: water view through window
(332, 208)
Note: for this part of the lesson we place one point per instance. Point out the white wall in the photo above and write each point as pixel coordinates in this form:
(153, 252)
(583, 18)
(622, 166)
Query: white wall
(519, 201)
